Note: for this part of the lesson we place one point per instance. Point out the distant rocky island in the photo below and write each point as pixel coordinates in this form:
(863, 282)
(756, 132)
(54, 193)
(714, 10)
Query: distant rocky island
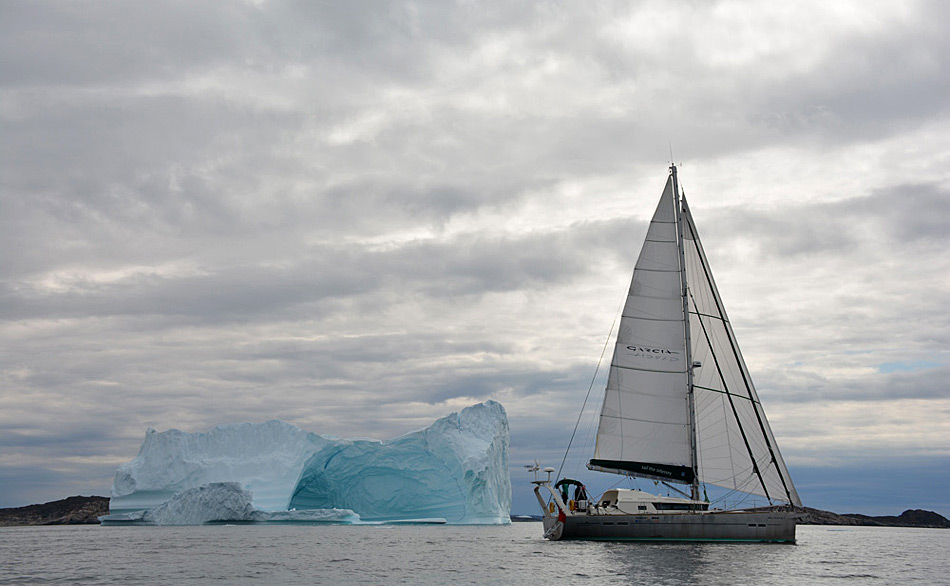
(75, 510)
(909, 518)
(84, 510)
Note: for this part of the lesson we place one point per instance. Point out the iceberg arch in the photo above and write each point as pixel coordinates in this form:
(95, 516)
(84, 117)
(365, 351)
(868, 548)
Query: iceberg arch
(456, 470)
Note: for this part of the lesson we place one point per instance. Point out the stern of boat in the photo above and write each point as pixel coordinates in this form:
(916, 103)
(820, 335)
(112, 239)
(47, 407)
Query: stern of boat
(553, 508)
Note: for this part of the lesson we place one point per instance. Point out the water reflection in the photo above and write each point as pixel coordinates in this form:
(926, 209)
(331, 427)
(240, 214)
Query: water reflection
(692, 563)
(658, 563)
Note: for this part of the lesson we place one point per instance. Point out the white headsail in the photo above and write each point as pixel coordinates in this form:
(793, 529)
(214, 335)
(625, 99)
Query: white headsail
(736, 448)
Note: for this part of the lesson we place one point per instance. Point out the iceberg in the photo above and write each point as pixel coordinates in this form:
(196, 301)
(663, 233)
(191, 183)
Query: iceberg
(265, 458)
(216, 501)
(228, 502)
(454, 471)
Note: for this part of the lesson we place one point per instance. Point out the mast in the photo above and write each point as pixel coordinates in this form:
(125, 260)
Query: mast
(691, 403)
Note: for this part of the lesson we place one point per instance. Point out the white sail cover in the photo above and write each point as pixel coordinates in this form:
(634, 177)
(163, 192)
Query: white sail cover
(645, 420)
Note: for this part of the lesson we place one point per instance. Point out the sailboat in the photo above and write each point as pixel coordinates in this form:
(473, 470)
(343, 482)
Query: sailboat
(679, 409)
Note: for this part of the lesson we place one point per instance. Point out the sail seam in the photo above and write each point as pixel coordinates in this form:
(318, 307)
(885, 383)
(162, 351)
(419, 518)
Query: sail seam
(648, 369)
(644, 420)
(640, 393)
(651, 318)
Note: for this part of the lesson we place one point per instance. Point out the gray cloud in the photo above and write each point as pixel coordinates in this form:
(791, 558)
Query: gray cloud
(900, 216)
(360, 217)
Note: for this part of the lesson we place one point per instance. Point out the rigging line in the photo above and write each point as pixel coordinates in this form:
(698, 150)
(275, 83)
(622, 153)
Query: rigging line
(773, 451)
(716, 317)
(724, 393)
(592, 380)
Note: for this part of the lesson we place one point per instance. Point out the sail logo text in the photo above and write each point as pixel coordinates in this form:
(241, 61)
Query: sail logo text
(654, 353)
(659, 471)
(654, 350)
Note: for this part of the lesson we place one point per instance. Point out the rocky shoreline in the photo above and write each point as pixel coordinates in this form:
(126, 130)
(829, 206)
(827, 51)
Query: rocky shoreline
(86, 510)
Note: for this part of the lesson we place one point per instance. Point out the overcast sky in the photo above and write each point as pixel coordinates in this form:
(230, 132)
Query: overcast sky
(360, 216)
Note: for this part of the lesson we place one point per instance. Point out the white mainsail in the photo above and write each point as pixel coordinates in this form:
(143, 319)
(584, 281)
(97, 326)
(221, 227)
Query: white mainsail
(644, 423)
(645, 428)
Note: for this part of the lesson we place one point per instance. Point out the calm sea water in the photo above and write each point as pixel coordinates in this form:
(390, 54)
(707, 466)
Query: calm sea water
(514, 554)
